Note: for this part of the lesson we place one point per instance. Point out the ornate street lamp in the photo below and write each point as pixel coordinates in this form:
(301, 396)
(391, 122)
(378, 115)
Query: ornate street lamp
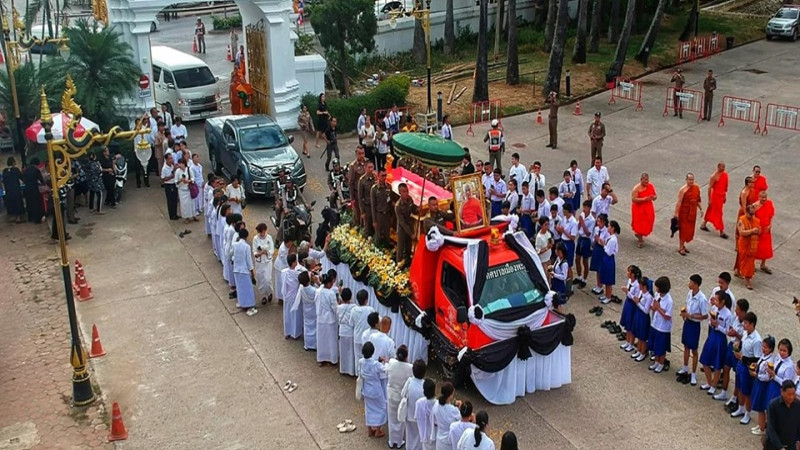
(68, 148)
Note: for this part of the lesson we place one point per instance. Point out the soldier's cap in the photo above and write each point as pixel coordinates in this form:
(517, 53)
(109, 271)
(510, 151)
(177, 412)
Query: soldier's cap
(597, 114)
(553, 93)
(335, 161)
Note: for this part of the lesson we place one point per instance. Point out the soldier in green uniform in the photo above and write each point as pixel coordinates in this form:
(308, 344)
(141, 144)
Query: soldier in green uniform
(436, 177)
(405, 225)
(364, 200)
(438, 218)
(381, 202)
(354, 174)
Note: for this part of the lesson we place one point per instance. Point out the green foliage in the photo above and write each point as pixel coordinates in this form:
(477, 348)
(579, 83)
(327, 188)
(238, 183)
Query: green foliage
(304, 45)
(28, 90)
(226, 23)
(392, 90)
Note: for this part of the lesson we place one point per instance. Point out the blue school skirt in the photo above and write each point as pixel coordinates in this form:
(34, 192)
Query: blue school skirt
(744, 382)
(759, 399)
(569, 245)
(597, 258)
(497, 208)
(659, 342)
(730, 360)
(641, 324)
(526, 223)
(690, 337)
(584, 247)
(576, 202)
(626, 318)
(558, 286)
(714, 350)
(608, 270)
(773, 391)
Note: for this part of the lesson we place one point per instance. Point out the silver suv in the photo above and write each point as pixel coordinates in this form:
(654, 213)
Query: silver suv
(784, 23)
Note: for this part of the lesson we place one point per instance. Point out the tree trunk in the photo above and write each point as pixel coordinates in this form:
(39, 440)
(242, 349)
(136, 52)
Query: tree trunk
(676, 4)
(420, 54)
(556, 62)
(343, 70)
(650, 38)
(498, 25)
(449, 30)
(550, 25)
(622, 45)
(503, 13)
(613, 24)
(512, 65)
(579, 52)
(691, 23)
(480, 92)
(594, 32)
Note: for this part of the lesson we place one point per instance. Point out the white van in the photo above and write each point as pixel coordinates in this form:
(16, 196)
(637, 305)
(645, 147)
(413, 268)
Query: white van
(184, 83)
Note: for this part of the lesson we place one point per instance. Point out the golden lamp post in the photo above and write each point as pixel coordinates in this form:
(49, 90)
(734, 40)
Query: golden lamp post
(60, 153)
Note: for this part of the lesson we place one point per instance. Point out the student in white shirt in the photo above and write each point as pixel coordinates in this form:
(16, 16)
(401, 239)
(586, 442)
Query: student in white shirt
(543, 206)
(577, 178)
(602, 203)
(583, 248)
(568, 228)
(641, 319)
(178, 131)
(497, 192)
(558, 276)
(608, 265)
(715, 348)
(761, 383)
(554, 199)
(662, 322)
(447, 129)
(626, 320)
(512, 197)
(567, 190)
(693, 314)
(527, 210)
(535, 178)
(749, 353)
(517, 171)
(544, 241)
(595, 177)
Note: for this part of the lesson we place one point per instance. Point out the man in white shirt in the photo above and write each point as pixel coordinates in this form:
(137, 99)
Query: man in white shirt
(447, 129)
(595, 177)
(170, 188)
(554, 199)
(497, 192)
(373, 320)
(543, 206)
(178, 131)
(359, 320)
(568, 228)
(393, 119)
(602, 203)
(165, 114)
(535, 179)
(517, 171)
(384, 345)
(362, 119)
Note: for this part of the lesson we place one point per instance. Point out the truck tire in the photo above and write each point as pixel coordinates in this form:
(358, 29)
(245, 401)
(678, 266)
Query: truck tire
(215, 167)
(794, 35)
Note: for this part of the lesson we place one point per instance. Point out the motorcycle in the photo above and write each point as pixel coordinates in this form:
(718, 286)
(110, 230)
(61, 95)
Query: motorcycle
(340, 191)
(295, 223)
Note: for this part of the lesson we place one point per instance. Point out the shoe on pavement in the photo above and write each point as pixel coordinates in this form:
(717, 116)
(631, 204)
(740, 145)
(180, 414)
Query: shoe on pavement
(722, 396)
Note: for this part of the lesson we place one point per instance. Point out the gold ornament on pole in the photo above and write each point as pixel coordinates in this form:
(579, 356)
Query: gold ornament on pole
(100, 11)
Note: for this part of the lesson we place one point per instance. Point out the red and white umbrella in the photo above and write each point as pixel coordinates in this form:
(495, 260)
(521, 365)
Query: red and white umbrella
(35, 132)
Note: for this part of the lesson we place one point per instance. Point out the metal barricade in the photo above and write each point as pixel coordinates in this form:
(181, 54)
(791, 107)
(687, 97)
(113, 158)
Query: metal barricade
(741, 109)
(404, 111)
(713, 44)
(684, 52)
(689, 100)
(484, 112)
(781, 116)
(627, 89)
(699, 47)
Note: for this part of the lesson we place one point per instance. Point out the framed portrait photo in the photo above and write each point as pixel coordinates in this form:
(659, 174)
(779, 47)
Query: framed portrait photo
(469, 202)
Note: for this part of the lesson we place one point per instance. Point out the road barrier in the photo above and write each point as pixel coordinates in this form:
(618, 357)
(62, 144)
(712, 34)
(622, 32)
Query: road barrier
(485, 112)
(781, 116)
(627, 89)
(405, 111)
(699, 47)
(741, 109)
(689, 100)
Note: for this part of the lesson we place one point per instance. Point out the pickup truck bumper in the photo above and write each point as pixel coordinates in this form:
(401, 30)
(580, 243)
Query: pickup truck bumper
(779, 32)
(264, 186)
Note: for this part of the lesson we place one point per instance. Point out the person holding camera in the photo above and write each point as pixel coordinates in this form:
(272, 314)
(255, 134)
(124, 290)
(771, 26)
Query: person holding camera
(679, 80)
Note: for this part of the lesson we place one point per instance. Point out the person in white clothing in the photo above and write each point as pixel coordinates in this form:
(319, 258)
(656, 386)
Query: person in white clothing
(197, 177)
(595, 177)
(263, 248)
(384, 345)
(306, 303)
(184, 178)
(347, 358)
(602, 203)
(413, 391)
(244, 273)
(517, 171)
(466, 423)
(281, 262)
(292, 320)
(398, 372)
(447, 129)
(543, 243)
(443, 414)
(178, 131)
(207, 199)
(358, 319)
(236, 195)
(476, 438)
(422, 412)
(328, 320)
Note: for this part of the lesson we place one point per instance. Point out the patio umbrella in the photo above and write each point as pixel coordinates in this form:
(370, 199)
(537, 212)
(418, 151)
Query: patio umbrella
(35, 132)
(431, 150)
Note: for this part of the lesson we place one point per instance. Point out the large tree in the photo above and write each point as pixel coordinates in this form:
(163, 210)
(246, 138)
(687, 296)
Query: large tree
(550, 24)
(498, 27)
(579, 51)
(613, 23)
(622, 45)
(692, 24)
(512, 63)
(594, 31)
(480, 93)
(449, 29)
(650, 38)
(346, 28)
(420, 49)
(556, 62)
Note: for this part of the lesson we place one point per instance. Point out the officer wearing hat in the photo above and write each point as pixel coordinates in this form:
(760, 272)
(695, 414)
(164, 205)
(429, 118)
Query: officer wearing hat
(364, 199)
(679, 80)
(496, 144)
(382, 208)
(597, 132)
(552, 121)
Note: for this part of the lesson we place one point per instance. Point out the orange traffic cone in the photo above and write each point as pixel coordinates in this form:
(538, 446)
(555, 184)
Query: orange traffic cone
(539, 120)
(97, 347)
(78, 269)
(82, 288)
(229, 57)
(194, 44)
(118, 431)
(577, 109)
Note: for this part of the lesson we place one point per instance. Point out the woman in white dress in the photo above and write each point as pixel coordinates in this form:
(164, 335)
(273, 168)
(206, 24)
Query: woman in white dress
(184, 177)
(244, 273)
(227, 251)
(413, 391)
(443, 414)
(327, 320)
(371, 372)
(476, 438)
(347, 359)
(197, 176)
(422, 412)
(457, 429)
(235, 194)
(208, 192)
(399, 371)
(222, 218)
(263, 248)
(307, 297)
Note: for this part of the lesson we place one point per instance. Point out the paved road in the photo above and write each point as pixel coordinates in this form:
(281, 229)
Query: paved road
(192, 372)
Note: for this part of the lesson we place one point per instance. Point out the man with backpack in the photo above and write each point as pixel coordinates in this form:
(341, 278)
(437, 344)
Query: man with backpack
(496, 143)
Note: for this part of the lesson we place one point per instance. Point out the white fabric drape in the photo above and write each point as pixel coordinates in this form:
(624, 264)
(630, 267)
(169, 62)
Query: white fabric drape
(526, 244)
(471, 267)
(402, 335)
(499, 331)
(524, 377)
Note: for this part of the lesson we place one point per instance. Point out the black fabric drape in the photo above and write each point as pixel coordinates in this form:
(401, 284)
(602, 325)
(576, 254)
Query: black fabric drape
(480, 273)
(527, 261)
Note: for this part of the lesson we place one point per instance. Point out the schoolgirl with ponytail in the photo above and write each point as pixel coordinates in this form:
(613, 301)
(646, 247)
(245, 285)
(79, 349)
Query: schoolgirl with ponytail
(477, 439)
(466, 423)
(632, 291)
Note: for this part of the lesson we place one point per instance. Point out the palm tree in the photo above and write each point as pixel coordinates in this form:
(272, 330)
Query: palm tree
(594, 31)
(34, 7)
(449, 30)
(622, 45)
(102, 66)
(512, 64)
(579, 51)
(553, 81)
(480, 92)
(650, 38)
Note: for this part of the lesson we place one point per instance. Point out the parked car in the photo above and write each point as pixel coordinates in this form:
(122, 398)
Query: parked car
(185, 84)
(784, 23)
(252, 147)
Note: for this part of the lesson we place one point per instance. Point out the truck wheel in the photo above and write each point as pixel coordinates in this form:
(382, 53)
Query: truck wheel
(794, 35)
(215, 164)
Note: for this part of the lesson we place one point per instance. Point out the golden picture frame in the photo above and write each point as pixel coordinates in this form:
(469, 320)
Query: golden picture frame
(469, 201)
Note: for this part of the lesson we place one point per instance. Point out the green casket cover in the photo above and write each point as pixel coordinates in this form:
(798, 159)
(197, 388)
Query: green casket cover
(430, 149)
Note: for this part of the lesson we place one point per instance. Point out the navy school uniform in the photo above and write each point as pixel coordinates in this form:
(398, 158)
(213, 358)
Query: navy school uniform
(660, 328)
(641, 317)
(583, 248)
(751, 352)
(597, 250)
(784, 370)
(715, 347)
(730, 360)
(528, 203)
(626, 320)
(570, 227)
(559, 281)
(759, 399)
(695, 304)
(608, 267)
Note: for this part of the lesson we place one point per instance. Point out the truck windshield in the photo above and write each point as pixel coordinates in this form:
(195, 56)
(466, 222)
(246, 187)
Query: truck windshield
(194, 77)
(261, 138)
(787, 14)
(508, 286)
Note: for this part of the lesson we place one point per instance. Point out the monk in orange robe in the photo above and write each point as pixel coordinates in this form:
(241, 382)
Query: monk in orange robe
(472, 210)
(765, 211)
(745, 198)
(689, 200)
(643, 212)
(747, 244)
(717, 196)
(759, 184)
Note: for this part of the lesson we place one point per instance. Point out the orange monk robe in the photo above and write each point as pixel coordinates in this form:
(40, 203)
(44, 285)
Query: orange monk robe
(643, 214)
(471, 213)
(687, 215)
(765, 214)
(759, 184)
(746, 247)
(716, 202)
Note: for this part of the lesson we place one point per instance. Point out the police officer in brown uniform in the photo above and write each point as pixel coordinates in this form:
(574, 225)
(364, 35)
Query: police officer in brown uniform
(438, 218)
(354, 173)
(381, 202)
(709, 86)
(552, 121)
(404, 208)
(436, 177)
(679, 81)
(364, 199)
(597, 132)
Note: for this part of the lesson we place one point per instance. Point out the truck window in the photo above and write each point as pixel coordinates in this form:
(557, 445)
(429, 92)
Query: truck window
(508, 286)
(454, 285)
(194, 77)
(156, 73)
(168, 78)
(227, 134)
